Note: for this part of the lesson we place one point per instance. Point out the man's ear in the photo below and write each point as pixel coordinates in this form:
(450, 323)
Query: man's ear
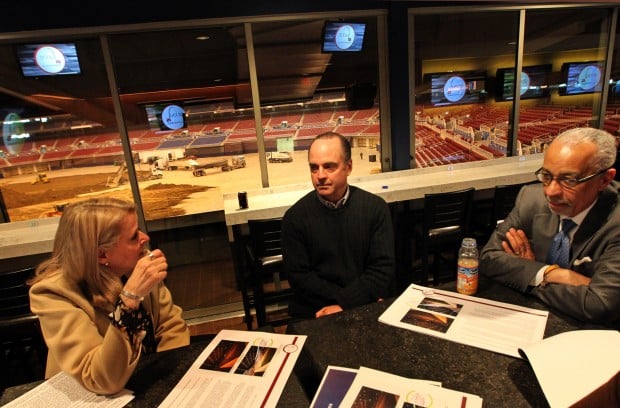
(608, 177)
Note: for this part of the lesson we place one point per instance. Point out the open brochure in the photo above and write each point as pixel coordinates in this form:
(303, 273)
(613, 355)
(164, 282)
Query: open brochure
(238, 369)
(344, 387)
(487, 324)
(63, 391)
(569, 366)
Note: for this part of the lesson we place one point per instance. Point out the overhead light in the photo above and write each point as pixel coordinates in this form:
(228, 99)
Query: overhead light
(203, 37)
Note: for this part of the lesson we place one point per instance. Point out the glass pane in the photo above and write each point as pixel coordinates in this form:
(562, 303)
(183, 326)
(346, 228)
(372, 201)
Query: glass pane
(458, 118)
(316, 76)
(613, 101)
(569, 44)
(178, 91)
(612, 115)
(60, 139)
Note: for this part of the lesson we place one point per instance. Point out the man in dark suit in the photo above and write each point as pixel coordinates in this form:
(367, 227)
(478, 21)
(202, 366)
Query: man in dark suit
(577, 183)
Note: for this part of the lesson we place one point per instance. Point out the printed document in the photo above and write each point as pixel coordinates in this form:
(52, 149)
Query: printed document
(487, 324)
(240, 369)
(63, 391)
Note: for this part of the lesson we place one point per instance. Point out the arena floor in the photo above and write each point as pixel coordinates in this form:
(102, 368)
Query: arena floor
(179, 192)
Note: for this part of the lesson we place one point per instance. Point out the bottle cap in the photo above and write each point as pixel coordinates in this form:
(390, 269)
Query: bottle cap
(469, 242)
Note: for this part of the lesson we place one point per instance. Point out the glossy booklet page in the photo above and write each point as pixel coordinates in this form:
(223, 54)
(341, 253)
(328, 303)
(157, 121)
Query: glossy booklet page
(570, 366)
(366, 387)
(487, 324)
(238, 369)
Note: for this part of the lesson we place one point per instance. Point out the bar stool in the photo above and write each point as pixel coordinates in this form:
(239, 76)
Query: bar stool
(445, 221)
(23, 352)
(504, 197)
(264, 283)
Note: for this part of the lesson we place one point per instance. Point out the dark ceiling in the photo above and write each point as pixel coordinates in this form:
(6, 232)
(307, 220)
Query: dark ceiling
(173, 65)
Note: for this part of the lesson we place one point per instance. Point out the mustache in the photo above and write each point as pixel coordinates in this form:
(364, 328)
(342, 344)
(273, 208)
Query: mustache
(561, 202)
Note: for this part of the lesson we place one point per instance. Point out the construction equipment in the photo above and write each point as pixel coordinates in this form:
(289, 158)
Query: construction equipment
(115, 181)
(279, 157)
(237, 162)
(156, 173)
(41, 178)
(199, 167)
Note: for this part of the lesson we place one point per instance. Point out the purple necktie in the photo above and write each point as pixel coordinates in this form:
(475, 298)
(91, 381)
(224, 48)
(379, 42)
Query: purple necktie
(559, 252)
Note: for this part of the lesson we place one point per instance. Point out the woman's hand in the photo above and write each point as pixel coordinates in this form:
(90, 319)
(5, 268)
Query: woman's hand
(148, 272)
(518, 244)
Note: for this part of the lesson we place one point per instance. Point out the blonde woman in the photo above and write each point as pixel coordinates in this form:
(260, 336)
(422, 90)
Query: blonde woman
(101, 299)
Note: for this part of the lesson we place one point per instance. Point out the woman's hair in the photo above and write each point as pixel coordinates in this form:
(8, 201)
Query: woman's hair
(85, 228)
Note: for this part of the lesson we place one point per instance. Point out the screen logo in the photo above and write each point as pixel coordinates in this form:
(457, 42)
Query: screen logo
(525, 83)
(50, 59)
(13, 133)
(589, 77)
(454, 89)
(345, 36)
(173, 117)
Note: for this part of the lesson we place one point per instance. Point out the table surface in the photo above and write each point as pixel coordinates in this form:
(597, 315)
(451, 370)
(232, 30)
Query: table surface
(157, 374)
(355, 338)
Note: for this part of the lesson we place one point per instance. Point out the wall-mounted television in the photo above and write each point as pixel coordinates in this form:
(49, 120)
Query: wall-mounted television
(38, 60)
(534, 82)
(581, 78)
(458, 87)
(166, 116)
(339, 36)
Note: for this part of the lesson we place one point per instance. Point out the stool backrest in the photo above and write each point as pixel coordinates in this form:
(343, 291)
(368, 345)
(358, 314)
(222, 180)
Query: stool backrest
(14, 299)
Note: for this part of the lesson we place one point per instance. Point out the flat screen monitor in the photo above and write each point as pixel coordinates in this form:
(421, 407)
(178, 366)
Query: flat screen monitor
(39, 60)
(459, 87)
(534, 82)
(166, 116)
(581, 78)
(341, 36)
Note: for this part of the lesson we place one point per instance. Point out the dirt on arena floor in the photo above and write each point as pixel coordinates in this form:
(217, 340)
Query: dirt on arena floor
(27, 200)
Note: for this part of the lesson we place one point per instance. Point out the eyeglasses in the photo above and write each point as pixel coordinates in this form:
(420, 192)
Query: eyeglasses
(565, 181)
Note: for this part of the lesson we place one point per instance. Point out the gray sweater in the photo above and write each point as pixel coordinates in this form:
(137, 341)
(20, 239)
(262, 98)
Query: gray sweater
(341, 256)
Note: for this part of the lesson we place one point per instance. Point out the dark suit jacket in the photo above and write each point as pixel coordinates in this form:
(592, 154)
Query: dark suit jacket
(595, 252)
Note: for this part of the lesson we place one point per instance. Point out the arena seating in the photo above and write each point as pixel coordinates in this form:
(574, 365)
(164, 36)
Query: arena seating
(444, 135)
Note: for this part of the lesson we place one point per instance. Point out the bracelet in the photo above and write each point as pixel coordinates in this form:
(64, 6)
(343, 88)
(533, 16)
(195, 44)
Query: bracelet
(546, 272)
(132, 295)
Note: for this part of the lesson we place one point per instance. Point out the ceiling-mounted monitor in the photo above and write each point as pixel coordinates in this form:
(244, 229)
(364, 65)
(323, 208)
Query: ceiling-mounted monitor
(339, 36)
(457, 87)
(581, 78)
(39, 60)
(534, 82)
(166, 116)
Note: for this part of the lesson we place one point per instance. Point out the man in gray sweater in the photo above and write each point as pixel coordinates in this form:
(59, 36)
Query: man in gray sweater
(337, 241)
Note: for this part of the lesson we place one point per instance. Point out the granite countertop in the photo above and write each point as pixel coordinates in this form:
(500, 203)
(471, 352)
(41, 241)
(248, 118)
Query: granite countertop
(158, 373)
(356, 338)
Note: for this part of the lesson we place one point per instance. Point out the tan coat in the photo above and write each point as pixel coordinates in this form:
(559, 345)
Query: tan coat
(83, 343)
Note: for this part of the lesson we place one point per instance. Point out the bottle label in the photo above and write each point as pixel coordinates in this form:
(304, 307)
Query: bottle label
(467, 277)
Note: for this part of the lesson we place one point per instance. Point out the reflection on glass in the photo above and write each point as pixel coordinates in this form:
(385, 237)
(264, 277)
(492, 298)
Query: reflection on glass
(466, 82)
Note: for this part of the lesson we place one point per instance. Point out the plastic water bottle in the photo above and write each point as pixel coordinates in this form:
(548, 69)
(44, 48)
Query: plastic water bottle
(467, 274)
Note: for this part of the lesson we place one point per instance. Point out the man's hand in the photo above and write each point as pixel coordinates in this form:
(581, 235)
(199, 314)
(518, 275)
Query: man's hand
(518, 244)
(327, 310)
